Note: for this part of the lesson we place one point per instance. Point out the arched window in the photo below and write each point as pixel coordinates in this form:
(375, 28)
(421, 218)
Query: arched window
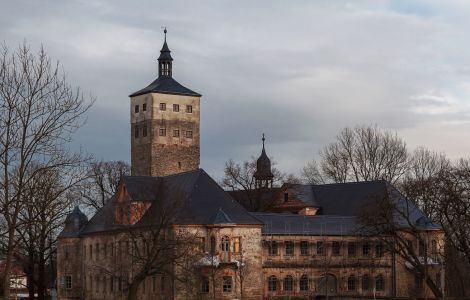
(351, 283)
(303, 283)
(272, 283)
(365, 282)
(379, 283)
(288, 283)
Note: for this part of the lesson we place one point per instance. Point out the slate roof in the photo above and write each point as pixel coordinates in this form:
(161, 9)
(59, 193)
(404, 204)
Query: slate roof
(289, 224)
(74, 223)
(166, 85)
(340, 204)
(203, 202)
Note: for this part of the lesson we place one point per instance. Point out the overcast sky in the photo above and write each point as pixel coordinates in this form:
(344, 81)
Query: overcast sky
(298, 71)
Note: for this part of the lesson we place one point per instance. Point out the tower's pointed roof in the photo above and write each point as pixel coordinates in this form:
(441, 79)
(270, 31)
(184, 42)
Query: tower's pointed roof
(165, 53)
(263, 165)
(166, 84)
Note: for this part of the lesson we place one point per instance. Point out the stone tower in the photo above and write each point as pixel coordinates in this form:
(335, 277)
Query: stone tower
(165, 121)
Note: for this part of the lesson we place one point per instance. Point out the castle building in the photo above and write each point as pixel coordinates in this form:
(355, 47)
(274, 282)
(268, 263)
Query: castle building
(171, 232)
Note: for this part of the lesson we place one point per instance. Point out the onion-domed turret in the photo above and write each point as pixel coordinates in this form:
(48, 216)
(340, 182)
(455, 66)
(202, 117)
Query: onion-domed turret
(74, 223)
(263, 174)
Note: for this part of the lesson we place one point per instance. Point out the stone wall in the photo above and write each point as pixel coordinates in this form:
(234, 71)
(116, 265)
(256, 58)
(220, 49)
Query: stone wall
(175, 150)
(69, 263)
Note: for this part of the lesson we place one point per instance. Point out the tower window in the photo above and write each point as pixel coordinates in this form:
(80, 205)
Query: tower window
(136, 109)
(144, 107)
(162, 131)
(176, 133)
(304, 248)
(189, 109)
(286, 197)
(162, 106)
(144, 130)
(289, 247)
(136, 131)
(176, 107)
(68, 282)
(189, 134)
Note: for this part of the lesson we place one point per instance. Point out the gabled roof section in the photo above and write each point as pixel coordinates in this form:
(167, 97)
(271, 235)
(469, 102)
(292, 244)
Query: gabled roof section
(196, 197)
(222, 218)
(166, 85)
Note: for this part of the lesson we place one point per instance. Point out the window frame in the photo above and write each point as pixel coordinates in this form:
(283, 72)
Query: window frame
(136, 109)
(351, 283)
(273, 248)
(320, 248)
(304, 283)
(144, 107)
(304, 248)
(352, 249)
(176, 108)
(205, 285)
(227, 284)
(68, 282)
(189, 109)
(336, 248)
(365, 248)
(272, 283)
(162, 131)
(162, 106)
(176, 133)
(289, 248)
(189, 134)
(288, 283)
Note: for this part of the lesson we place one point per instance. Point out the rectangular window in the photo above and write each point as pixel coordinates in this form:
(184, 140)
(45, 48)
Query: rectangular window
(189, 134)
(68, 282)
(111, 284)
(91, 252)
(303, 248)
(204, 285)
(289, 247)
(351, 249)
(162, 132)
(421, 248)
(144, 130)
(136, 131)
(105, 250)
(154, 283)
(320, 248)
(379, 249)
(97, 251)
(162, 106)
(366, 248)
(336, 248)
(176, 133)
(272, 247)
(176, 107)
(144, 107)
(286, 197)
(227, 284)
(136, 109)
(162, 284)
(236, 244)
(189, 109)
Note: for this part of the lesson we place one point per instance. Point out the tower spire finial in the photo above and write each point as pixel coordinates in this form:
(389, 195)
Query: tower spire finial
(263, 139)
(165, 31)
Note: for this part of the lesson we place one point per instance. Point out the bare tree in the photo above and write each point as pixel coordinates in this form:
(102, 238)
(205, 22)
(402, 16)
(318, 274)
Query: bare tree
(154, 245)
(47, 200)
(311, 173)
(102, 183)
(362, 153)
(393, 223)
(39, 112)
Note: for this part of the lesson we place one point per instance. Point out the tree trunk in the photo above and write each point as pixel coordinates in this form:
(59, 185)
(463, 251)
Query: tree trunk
(8, 261)
(41, 277)
(30, 277)
(133, 289)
